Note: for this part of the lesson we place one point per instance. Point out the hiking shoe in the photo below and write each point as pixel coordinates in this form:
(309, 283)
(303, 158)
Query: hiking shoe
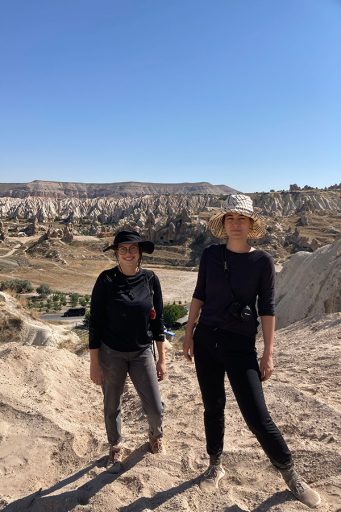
(211, 478)
(114, 464)
(156, 445)
(300, 488)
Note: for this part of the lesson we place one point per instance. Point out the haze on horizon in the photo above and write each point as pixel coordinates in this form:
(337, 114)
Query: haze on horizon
(239, 93)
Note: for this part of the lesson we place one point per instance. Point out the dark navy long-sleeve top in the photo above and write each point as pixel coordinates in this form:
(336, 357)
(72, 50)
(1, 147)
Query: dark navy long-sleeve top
(247, 277)
(120, 311)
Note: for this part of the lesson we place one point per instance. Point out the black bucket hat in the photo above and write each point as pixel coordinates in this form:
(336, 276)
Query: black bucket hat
(131, 237)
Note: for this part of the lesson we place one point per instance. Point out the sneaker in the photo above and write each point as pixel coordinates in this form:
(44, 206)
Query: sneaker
(300, 489)
(156, 445)
(114, 464)
(211, 478)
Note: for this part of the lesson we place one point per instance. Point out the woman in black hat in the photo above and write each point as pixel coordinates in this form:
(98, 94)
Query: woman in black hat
(235, 285)
(126, 316)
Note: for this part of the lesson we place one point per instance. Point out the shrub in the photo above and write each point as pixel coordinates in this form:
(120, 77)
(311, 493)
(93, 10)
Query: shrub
(86, 319)
(10, 327)
(43, 290)
(172, 312)
(16, 285)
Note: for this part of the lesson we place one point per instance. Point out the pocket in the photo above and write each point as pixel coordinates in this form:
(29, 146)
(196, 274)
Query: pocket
(106, 356)
(197, 331)
(199, 337)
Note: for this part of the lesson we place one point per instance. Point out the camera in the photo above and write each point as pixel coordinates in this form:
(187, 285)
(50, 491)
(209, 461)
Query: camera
(241, 312)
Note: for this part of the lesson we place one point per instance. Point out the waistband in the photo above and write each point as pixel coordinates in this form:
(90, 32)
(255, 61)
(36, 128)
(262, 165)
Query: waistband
(225, 332)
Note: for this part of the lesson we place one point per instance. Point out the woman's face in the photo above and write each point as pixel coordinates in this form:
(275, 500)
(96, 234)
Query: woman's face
(237, 226)
(128, 255)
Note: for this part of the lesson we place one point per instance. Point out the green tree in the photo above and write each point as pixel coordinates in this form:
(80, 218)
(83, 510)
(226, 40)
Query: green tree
(74, 297)
(44, 290)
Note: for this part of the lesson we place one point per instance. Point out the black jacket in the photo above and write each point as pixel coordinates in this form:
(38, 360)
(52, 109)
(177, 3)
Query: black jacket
(120, 310)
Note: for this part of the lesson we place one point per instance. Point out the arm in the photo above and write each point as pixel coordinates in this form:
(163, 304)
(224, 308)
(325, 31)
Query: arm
(195, 308)
(161, 369)
(95, 322)
(96, 372)
(157, 327)
(266, 308)
(194, 313)
(266, 362)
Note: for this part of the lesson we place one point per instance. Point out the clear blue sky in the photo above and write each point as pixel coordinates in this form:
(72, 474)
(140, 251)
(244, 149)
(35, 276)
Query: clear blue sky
(245, 93)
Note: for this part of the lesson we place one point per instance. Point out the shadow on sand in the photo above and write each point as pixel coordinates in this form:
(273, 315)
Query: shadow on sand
(159, 498)
(42, 501)
(142, 504)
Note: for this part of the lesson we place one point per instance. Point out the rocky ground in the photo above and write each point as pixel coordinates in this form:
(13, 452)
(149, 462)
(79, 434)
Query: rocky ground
(53, 442)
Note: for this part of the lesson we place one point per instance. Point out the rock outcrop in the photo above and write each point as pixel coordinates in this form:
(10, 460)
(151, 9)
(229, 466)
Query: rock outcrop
(17, 325)
(300, 202)
(3, 232)
(309, 284)
(105, 210)
(67, 235)
(147, 209)
(31, 229)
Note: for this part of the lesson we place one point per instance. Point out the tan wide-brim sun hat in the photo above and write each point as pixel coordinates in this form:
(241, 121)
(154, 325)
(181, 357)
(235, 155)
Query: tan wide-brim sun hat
(236, 203)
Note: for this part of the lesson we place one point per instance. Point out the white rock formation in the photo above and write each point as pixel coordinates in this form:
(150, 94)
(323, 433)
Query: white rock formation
(290, 203)
(309, 284)
(111, 210)
(27, 331)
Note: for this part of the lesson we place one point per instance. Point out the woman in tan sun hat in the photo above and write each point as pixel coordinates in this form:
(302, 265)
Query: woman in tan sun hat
(241, 205)
(236, 285)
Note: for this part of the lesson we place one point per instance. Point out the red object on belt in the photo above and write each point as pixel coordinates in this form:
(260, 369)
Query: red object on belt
(152, 314)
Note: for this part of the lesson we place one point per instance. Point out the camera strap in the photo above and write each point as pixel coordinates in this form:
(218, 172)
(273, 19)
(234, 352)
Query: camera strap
(227, 271)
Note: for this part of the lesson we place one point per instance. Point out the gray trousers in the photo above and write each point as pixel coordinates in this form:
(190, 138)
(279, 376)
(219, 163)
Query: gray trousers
(140, 366)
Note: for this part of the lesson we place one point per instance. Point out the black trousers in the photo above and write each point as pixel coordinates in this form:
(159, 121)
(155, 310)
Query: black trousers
(217, 352)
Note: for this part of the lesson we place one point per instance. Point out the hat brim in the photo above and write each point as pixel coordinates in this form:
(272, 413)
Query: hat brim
(146, 246)
(216, 225)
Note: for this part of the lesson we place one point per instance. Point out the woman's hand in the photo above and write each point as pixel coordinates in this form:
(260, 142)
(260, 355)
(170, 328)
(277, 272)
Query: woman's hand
(187, 346)
(96, 373)
(266, 366)
(161, 370)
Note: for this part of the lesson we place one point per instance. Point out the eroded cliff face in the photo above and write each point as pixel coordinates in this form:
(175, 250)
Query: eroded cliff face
(142, 208)
(302, 220)
(291, 203)
(165, 218)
